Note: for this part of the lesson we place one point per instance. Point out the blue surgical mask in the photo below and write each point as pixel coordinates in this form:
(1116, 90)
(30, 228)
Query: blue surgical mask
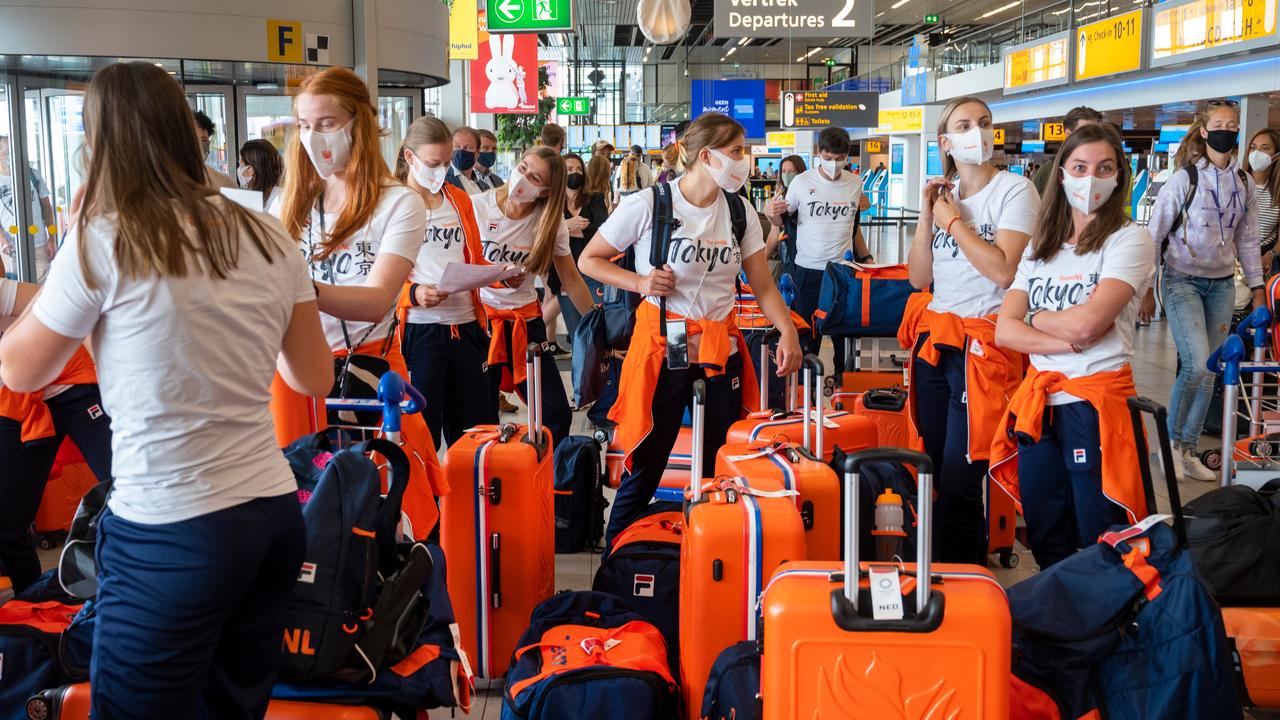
(464, 160)
(487, 159)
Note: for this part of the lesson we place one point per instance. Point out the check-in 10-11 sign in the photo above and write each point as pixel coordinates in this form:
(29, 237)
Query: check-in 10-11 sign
(794, 18)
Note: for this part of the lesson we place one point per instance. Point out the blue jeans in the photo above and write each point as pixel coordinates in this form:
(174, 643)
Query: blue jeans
(191, 614)
(1199, 311)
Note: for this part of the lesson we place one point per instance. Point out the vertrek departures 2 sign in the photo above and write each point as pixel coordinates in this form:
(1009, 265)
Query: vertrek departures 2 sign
(793, 18)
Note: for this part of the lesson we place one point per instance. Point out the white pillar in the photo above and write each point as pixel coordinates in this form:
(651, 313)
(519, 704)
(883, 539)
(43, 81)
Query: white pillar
(454, 99)
(364, 28)
(1253, 117)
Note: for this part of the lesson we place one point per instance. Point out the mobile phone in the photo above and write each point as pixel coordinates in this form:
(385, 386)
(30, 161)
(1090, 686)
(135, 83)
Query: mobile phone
(677, 345)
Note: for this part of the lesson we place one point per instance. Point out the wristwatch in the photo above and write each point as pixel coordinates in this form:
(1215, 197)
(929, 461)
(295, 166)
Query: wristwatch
(1031, 315)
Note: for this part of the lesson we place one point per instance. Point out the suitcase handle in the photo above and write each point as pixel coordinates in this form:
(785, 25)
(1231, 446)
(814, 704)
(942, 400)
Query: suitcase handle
(924, 532)
(770, 336)
(696, 437)
(495, 571)
(813, 374)
(887, 399)
(1139, 406)
(533, 391)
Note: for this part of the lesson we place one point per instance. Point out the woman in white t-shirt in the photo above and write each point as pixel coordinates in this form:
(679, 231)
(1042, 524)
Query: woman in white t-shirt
(974, 224)
(190, 304)
(360, 231)
(1073, 309)
(444, 340)
(704, 258)
(522, 223)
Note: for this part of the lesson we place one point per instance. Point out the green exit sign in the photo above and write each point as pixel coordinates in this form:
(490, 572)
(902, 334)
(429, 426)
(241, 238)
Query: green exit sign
(932, 19)
(518, 16)
(573, 106)
(831, 62)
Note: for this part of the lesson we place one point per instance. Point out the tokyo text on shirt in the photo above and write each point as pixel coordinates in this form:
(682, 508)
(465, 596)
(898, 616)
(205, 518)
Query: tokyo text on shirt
(443, 242)
(509, 242)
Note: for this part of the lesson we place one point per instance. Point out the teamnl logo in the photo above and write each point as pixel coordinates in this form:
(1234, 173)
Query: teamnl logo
(642, 586)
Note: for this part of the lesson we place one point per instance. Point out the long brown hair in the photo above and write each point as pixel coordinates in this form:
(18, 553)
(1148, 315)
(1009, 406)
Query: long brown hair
(145, 166)
(1055, 222)
(1193, 147)
(1273, 170)
(949, 165)
(711, 130)
(551, 208)
(583, 196)
(426, 130)
(366, 172)
(263, 157)
(598, 172)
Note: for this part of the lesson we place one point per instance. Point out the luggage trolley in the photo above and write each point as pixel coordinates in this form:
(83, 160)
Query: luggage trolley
(1254, 459)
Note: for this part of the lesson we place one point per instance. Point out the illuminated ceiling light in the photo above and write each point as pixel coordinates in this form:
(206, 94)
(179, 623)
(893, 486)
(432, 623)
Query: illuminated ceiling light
(999, 10)
(732, 50)
(898, 4)
(663, 21)
(744, 41)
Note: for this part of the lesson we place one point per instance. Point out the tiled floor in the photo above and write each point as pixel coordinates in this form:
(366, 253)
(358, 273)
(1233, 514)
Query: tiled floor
(1154, 363)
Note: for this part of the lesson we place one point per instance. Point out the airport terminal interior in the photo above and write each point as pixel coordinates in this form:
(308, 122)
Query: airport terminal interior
(629, 359)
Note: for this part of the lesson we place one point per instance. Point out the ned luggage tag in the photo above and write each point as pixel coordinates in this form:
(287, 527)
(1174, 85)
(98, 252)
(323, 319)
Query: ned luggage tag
(677, 344)
(886, 592)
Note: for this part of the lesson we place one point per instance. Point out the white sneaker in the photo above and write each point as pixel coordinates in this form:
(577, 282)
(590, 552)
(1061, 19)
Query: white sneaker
(1158, 461)
(1193, 469)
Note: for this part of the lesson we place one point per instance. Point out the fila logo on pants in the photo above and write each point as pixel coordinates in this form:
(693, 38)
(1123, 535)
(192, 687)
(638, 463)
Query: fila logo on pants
(643, 586)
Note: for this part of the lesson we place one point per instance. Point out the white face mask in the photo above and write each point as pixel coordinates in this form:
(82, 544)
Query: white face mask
(243, 176)
(830, 167)
(1088, 193)
(1259, 160)
(329, 151)
(972, 147)
(521, 189)
(431, 178)
(731, 174)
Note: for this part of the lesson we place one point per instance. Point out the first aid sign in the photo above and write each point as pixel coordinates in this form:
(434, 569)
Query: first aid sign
(793, 18)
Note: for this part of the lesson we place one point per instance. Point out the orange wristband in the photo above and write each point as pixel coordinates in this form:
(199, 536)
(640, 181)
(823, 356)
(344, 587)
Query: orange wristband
(953, 222)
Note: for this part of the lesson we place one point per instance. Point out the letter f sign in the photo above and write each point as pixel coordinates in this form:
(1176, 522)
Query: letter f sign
(283, 41)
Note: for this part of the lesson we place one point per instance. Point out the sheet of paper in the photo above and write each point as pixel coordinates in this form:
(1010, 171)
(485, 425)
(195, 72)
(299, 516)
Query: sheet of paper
(461, 277)
(251, 199)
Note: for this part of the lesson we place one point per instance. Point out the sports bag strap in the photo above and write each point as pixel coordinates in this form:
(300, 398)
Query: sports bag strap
(737, 216)
(1193, 178)
(663, 222)
(389, 514)
(1134, 554)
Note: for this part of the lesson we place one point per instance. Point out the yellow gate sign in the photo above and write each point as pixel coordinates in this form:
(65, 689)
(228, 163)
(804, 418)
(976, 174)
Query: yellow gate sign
(1109, 47)
(284, 41)
(1053, 132)
(999, 136)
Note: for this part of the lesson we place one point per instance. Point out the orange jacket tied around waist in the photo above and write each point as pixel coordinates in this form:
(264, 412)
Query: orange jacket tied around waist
(30, 409)
(499, 353)
(645, 358)
(1108, 393)
(991, 373)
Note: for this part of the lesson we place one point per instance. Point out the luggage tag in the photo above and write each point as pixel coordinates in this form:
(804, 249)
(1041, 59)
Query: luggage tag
(886, 593)
(677, 345)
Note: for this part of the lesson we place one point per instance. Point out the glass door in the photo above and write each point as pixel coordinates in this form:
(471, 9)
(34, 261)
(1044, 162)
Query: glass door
(52, 125)
(215, 102)
(396, 110)
(265, 115)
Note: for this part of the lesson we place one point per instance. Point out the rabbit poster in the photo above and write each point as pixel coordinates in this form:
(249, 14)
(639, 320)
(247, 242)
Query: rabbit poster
(504, 78)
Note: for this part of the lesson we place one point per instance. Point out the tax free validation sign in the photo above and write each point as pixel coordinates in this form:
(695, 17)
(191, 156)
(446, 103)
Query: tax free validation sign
(794, 18)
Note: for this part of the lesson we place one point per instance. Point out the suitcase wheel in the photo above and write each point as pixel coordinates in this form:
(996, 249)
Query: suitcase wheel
(1008, 559)
(40, 707)
(1212, 458)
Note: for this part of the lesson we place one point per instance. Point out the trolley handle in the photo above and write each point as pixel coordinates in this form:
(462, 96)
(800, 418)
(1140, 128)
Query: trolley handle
(1225, 360)
(392, 391)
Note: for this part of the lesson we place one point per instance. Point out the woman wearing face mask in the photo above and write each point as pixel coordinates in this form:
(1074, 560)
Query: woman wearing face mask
(260, 170)
(584, 213)
(974, 224)
(791, 167)
(1261, 165)
(1199, 258)
(522, 223)
(444, 340)
(704, 259)
(361, 232)
(1073, 308)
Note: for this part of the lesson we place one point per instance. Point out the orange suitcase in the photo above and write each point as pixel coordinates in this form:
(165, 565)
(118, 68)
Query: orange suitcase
(71, 702)
(676, 476)
(842, 430)
(826, 656)
(1255, 637)
(1002, 525)
(887, 408)
(784, 465)
(735, 536)
(497, 527)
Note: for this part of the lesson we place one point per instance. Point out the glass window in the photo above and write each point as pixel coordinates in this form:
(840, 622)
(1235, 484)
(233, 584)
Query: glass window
(8, 209)
(395, 112)
(268, 117)
(215, 106)
(432, 104)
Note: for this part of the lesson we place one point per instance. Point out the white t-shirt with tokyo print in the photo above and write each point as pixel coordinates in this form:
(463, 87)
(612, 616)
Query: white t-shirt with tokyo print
(508, 242)
(826, 211)
(1069, 280)
(1008, 202)
(396, 227)
(444, 242)
(703, 253)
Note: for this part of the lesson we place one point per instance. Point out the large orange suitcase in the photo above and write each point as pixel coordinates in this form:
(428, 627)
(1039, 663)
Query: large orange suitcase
(826, 656)
(71, 702)
(842, 430)
(497, 527)
(675, 477)
(1255, 636)
(887, 408)
(786, 465)
(735, 536)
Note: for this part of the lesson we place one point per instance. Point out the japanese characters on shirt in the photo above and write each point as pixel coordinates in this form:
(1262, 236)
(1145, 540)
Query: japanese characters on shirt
(504, 241)
(1069, 280)
(826, 212)
(1008, 202)
(443, 242)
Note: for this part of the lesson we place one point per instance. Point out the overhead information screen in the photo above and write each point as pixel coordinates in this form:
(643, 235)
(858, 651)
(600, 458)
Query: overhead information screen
(1184, 30)
(822, 109)
(1109, 47)
(1038, 64)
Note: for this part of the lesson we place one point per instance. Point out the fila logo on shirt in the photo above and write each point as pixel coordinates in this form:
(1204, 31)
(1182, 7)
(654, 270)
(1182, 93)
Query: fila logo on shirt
(1063, 291)
(643, 586)
(1078, 455)
(95, 412)
(307, 573)
(493, 227)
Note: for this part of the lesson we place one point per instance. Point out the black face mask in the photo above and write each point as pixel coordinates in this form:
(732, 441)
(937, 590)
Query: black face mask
(1224, 141)
(576, 181)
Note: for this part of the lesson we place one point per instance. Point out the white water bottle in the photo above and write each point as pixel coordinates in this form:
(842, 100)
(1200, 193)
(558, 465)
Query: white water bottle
(888, 531)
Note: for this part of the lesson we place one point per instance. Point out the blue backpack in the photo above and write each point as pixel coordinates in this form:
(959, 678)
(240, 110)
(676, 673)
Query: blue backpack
(579, 494)
(588, 655)
(733, 688)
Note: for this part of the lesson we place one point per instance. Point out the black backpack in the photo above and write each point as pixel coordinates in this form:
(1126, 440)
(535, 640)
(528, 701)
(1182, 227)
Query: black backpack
(356, 605)
(1234, 533)
(579, 494)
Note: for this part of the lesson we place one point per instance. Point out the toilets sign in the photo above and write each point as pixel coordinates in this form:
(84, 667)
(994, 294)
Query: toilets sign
(793, 18)
(535, 16)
